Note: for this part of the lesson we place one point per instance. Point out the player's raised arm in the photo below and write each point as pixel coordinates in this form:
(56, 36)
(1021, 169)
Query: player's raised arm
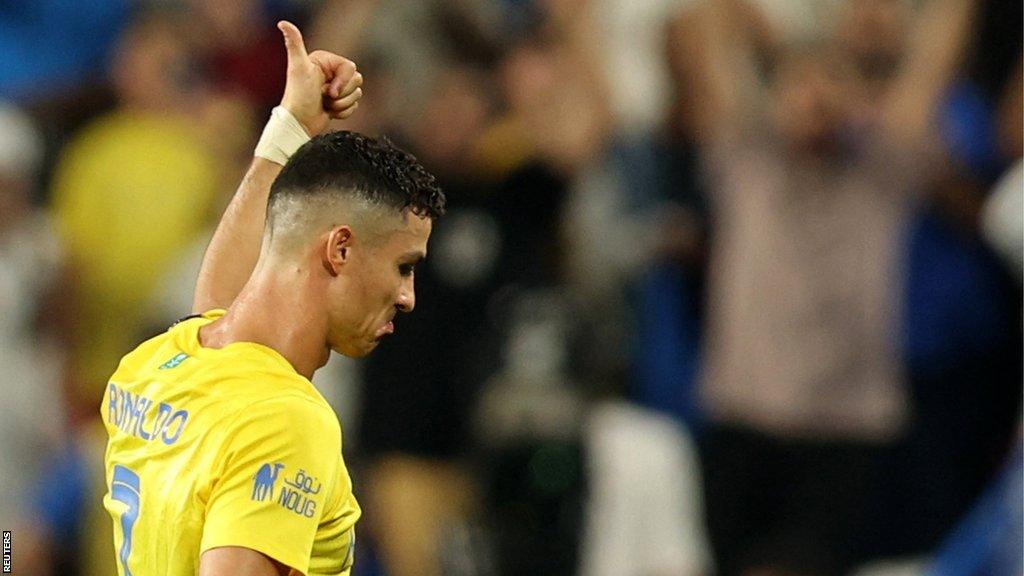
(320, 86)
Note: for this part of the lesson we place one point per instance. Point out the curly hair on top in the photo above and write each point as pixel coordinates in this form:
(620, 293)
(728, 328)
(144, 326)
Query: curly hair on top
(370, 168)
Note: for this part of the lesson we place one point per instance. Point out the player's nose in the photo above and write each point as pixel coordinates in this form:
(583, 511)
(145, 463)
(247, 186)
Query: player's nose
(406, 300)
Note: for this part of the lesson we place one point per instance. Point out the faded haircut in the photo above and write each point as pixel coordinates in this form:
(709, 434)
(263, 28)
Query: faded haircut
(346, 165)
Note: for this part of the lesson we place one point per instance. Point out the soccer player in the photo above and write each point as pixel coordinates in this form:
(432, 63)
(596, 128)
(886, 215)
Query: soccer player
(222, 457)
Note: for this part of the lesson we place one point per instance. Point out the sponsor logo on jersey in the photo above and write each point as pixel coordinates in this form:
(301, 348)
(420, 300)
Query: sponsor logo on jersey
(297, 491)
(173, 362)
(263, 483)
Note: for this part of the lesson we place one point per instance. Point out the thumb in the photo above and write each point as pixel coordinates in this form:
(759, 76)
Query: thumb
(293, 42)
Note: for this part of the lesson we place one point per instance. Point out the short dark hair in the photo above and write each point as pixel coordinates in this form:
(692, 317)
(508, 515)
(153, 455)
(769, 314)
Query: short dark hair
(372, 169)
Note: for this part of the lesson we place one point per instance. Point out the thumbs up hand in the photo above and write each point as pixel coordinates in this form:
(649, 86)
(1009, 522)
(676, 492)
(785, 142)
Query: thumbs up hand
(320, 85)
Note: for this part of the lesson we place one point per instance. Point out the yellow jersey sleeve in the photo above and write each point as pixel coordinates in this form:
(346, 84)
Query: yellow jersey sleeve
(277, 471)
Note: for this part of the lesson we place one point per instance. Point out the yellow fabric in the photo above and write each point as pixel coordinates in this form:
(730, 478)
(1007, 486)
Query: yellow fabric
(130, 192)
(222, 447)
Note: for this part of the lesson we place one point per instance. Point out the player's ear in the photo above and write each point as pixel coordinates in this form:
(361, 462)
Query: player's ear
(337, 249)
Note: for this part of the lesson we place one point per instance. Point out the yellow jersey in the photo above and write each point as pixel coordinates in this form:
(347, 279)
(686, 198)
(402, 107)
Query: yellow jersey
(222, 447)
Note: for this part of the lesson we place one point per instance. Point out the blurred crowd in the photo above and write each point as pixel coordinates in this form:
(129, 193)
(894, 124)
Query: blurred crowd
(725, 286)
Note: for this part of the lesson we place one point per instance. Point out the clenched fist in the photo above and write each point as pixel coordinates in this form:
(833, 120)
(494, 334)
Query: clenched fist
(320, 86)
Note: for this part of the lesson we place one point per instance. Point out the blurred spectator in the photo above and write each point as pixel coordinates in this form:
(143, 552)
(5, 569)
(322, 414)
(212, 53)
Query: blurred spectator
(811, 202)
(534, 463)
(148, 163)
(33, 316)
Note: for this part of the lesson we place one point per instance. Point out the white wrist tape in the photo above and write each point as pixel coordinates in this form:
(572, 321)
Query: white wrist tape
(281, 137)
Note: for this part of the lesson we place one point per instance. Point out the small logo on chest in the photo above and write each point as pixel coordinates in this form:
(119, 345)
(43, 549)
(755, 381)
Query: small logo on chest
(173, 362)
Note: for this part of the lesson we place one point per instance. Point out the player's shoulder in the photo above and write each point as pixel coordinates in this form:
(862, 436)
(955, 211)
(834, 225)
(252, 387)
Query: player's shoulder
(149, 354)
(289, 414)
(290, 405)
(258, 375)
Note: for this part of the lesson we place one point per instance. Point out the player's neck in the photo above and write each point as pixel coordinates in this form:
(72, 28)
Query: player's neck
(275, 309)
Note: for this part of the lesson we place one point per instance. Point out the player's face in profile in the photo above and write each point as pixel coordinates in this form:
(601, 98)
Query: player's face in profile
(381, 284)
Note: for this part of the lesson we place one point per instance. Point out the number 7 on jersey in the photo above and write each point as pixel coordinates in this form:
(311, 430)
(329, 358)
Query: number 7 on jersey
(124, 487)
